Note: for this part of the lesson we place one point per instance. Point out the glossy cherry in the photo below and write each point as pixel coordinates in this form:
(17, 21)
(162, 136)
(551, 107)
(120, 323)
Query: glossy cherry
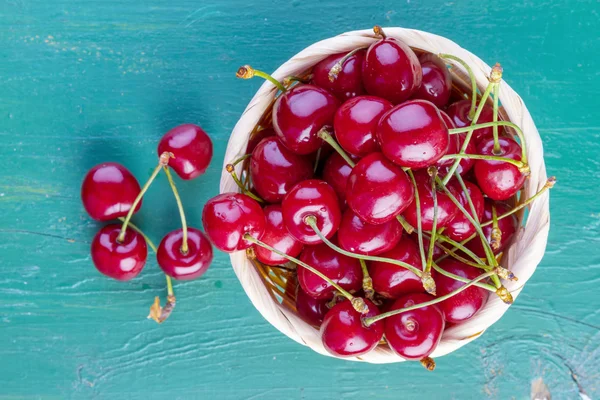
(391, 70)
(464, 305)
(190, 265)
(413, 134)
(497, 179)
(393, 281)
(344, 334)
(276, 235)
(316, 198)
(460, 228)
(348, 82)
(257, 138)
(507, 227)
(274, 169)
(436, 85)
(459, 112)
(414, 334)
(300, 113)
(119, 260)
(356, 121)
(446, 210)
(191, 147)
(108, 191)
(360, 237)
(341, 269)
(310, 309)
(336, 173)
(228, 216)
(378, 190)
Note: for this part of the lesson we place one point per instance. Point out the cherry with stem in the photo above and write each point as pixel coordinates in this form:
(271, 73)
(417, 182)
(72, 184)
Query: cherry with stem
(339, 66)
(243, 186)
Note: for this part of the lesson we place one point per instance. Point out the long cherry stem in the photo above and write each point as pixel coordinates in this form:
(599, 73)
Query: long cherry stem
(371, 320)
(326, 136)
(471, 78)
(184, 244)
(247, 72)
(417, 201)
(231, 169)
(163, 161)
(495, 119)
(463, 279)
(516, 163)
(434, 225)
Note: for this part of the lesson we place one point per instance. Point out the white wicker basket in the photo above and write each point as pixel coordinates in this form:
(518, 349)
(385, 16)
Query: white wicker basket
(522, 257)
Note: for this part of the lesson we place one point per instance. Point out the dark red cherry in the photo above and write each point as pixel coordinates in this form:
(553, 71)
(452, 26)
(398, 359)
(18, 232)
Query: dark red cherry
(275, 170)
(336, 173)
(122, 261)
(436, 86)
(507, 226)
(414, 334)
(460, 228)
(356, 121)
(316, 198)
(446, 210)
(343, 333)
(276, 235)
(465, 304)
(257, 138)
(310, 309)
(349, 80)
(497, 179)
(192, 150)
(108, 191)
(360, 237)
(341, 269)
(391, 70)
(190, 265)
(413, 134)
(228, 216)
(459, 112)
(378, 190)
(393, 281)
(300, 113)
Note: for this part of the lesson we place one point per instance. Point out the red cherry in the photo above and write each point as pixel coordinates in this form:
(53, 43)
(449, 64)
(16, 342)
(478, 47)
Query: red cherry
(436, 86)
(446, 210)
(190, 265)
(465, 304)
(274, 169)
(108, 191)
(391, 70)
(413, 134)
(460, 228)
(414, 334)
(507, 226)
(459, 112)
(316, 198)
(228, 216)
(276, 235)
(310, 309)
(341, 269)
(393, 281)
(356, 123)
(497, 179)
(378, 190)
(349, 80)
(191, 147)
(121, 261)
(300, 113)
(257, 138)
(343, 333)
(336, 173)
(360, 237)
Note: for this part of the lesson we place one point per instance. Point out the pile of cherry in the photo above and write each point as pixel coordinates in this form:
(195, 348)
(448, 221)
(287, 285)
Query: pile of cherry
(393, 197)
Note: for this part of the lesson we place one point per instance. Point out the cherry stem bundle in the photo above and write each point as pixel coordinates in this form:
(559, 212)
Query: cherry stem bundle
(471, 78)
(247, 72)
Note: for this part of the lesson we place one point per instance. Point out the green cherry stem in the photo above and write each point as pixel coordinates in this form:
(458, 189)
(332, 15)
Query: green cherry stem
(496, 78)
(463, 279)
(163, 161)
(405, 224)
(357, 302)
(419, 225)
(338, 66)
(367, 283)
(231, 169)
(242, 158)
(326, 136)
(458, 246)
(184, 244)
(516, 163)
(247, 72)
(433, 174)
(371, 320)
(471, 78)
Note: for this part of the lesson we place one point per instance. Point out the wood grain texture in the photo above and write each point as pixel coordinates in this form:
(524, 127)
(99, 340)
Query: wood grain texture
(90, 81)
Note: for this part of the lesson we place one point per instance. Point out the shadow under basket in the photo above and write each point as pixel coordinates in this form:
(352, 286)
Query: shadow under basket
(266, 286)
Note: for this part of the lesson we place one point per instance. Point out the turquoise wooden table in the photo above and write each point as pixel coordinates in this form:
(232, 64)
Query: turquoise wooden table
(89, 81)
